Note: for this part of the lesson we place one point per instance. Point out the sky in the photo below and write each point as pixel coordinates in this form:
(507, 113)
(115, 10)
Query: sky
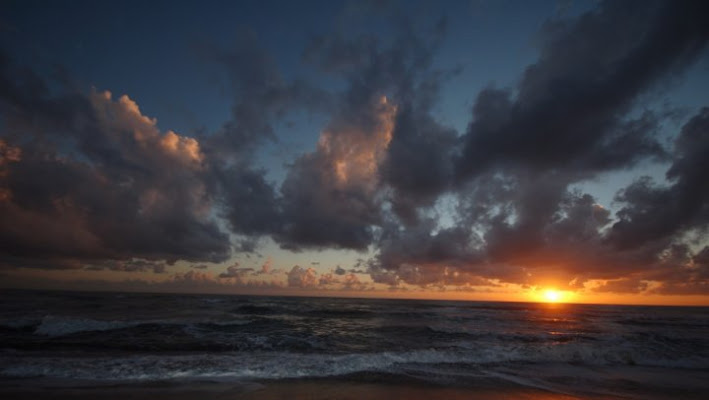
(473, 150)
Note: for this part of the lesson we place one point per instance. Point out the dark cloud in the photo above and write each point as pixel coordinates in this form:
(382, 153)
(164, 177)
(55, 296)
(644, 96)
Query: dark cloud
(134, 265)
(333, 197)
(99, 180)
(251, 204)
(419, 246)
(661, 223)
(87, 177)
(329, 196)
(418, 165)
(572, 116)
(261, 96)
(237, 272)
(571, 108)
(88, 181)
(654, 212)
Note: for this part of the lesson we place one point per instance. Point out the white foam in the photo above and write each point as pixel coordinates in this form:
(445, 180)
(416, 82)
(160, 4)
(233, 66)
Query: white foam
(264, 365)
(280, 365)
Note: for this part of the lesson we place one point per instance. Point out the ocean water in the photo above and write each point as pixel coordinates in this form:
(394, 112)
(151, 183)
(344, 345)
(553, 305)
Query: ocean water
(585, 350)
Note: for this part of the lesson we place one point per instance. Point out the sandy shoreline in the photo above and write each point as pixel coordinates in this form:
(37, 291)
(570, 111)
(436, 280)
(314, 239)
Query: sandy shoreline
(308, 389)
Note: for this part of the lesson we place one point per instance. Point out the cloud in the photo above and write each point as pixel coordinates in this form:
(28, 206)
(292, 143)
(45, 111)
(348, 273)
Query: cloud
(572, 116)
(234, 271)
(571, 107)
(418, 165)
(300, 277)
(453, 246)
(114, 186)
(381, 275)
(266, 268)
(327, 279)
(652, 212)
(334, 196)
(86, 178)
(193, 276)
(261, 96)
(329, 196)
(122, 117)
(134, 265)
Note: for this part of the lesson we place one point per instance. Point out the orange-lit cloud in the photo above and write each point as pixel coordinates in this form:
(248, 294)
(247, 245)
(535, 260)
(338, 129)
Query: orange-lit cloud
(95, 177)
(494, 201)
(8, 154)
(354, 153)
(330, 196)
(123, 117)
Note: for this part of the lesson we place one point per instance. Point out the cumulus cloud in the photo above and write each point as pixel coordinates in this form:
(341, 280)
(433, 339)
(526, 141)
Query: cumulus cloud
(194, 276)
(571, 117)
(352, 282)
(196, 280)
(653, 212)
(87, 180)
(327, 279)
(335, 196)
(418, 165)
(134, 265)
(261, 98)
(234, 271)
(329, 196)
(571, 107)
(267, 269)
(300, 277)
(86, 177)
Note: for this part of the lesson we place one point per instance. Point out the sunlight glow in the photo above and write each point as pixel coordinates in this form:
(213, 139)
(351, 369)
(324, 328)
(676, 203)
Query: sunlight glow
(552, 296)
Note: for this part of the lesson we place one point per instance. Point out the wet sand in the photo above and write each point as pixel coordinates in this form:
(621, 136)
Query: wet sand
(315, 389)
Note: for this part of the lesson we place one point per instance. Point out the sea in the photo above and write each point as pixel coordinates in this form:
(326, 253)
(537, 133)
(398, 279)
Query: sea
(638, 352)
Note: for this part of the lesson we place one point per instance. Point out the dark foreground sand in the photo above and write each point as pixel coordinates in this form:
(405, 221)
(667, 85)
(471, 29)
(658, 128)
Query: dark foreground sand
(282, 390)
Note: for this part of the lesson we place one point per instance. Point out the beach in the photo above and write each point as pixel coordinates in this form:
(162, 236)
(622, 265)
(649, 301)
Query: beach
(314, 389)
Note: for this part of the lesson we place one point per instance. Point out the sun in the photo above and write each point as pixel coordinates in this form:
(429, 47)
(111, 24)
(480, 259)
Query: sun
(552, 296)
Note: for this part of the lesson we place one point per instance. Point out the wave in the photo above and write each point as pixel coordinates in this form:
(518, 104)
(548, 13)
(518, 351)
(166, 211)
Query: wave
(56, 326)
(672, 323)
(256, 310)
(19, 323)
(248, 334)
(466, 357)
(428, 366)
(257, 365)
(60, 326)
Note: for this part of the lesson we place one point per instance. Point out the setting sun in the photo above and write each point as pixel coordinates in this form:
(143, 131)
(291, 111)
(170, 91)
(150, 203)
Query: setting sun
(552, 296)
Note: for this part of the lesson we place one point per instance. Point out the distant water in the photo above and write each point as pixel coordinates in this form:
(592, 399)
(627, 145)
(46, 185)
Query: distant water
(627, 351)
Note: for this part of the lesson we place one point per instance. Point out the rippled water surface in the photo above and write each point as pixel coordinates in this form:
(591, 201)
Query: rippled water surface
(628, 351)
